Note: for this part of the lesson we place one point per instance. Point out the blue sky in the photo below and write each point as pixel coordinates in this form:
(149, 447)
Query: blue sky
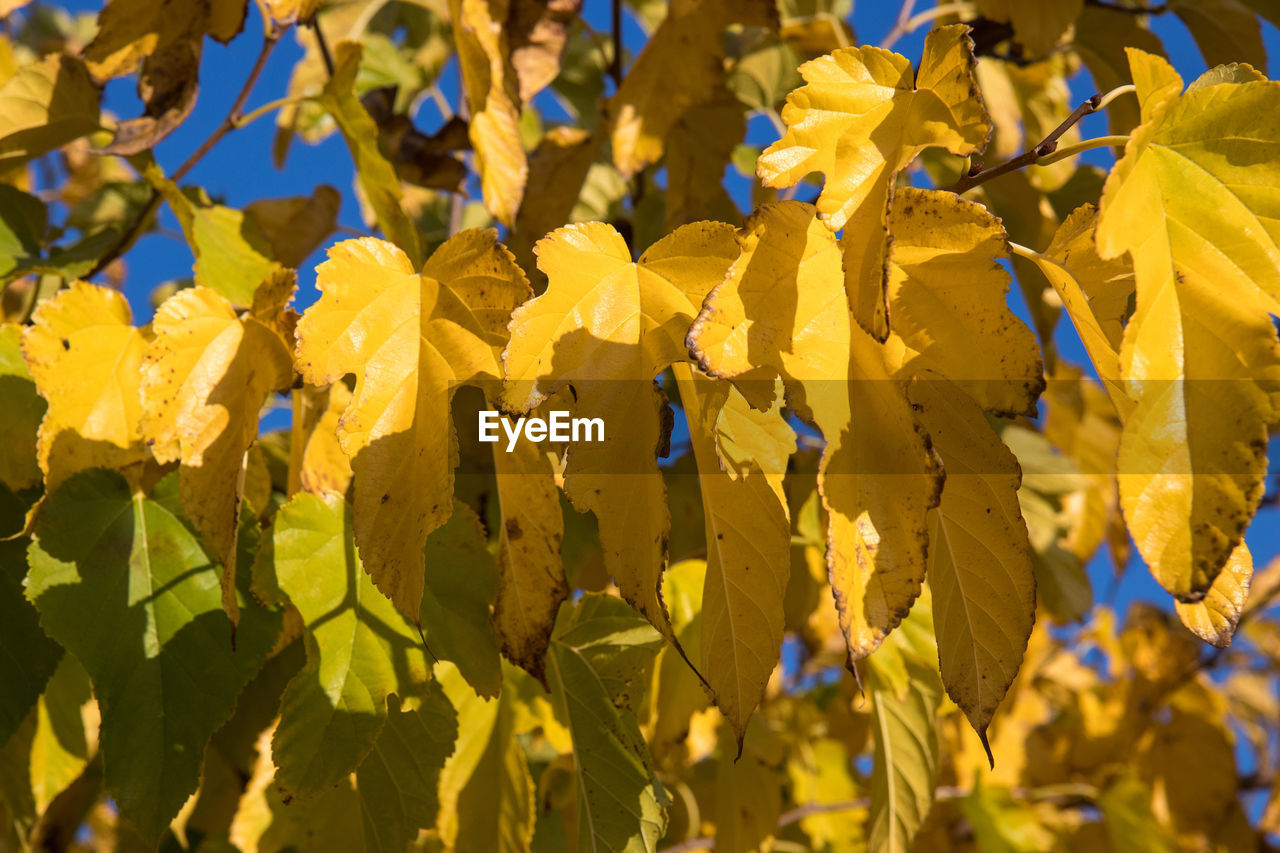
(239, 170)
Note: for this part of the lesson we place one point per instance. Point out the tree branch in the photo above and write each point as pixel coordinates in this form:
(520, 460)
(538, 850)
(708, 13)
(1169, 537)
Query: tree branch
(1158, 9)
(232, 120)
(978, 175)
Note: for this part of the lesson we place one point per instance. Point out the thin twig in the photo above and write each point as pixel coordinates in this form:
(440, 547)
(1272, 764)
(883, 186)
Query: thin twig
(1158, 9)
(978, 175)
(234, 115)
(325, 55)
(900, 25)
(249, 118)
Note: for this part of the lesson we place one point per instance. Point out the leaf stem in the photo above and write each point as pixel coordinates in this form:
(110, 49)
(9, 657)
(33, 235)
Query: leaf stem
(908, 23)
(978, 175)
(1158, 9)
(249, 118)
(269, 40)
(1082, 145)
(1115, 93)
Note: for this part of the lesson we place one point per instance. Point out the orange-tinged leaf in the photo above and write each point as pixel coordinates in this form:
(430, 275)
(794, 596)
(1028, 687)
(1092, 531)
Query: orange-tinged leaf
(947, 296)
(1195, 202)
(449, 326)
(863, 116)
(205, 377)
(608, 327)
(494, 96)
(782, 309)
(1214, 618)
(86, 359)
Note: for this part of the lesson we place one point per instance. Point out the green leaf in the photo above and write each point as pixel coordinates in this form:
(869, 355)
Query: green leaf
(233, 255)
(462, 582)
(21, 410)
(44, 106)
(486, 792)
(1002, 824)
(904, 691)
(30, 656)
(23, 220)
(360, 650)
(124, 585)
(599, 648)
(397, 783)
(1131, 827)
(377, 177)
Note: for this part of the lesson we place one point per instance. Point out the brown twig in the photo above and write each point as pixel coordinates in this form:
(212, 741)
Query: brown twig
(978, 175)
(1158, 9)
(233, 117)
(325, 55)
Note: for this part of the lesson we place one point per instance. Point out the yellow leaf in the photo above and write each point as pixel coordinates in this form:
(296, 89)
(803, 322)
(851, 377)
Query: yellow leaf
(324, 466)
(86, 360)
(131, 30)
(531, 580)
(450, 325)
(681, 66)
(980, 572)
(748, 801)
(1095, 293)
(608, 326)
(1038, 27)
(782, 310)
(285, 12)
(1196, 203)
(295, 227)
(377, 178)
(748, 545)
(44, 106)
(557, 169)
(946, 295)
(863, 116)
(205, 377)
(699, 147)
(492, 92)
(538, 30)
(1214, 618)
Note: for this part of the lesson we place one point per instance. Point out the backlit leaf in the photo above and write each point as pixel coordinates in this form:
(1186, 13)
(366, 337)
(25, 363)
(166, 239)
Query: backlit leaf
(984, 593)
(124, 585)
(748, 548)
(904, 692)
(531, 579)
(86, 360)
(21, 411)
(863, 115)
(1214, 618)
(1200, 355)
(783, 308)
(44, 106)
(946, 294)
(608, 326)
(205, 376)
(494, 98)
(451, 325)
(600, 646)
(360, 651)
